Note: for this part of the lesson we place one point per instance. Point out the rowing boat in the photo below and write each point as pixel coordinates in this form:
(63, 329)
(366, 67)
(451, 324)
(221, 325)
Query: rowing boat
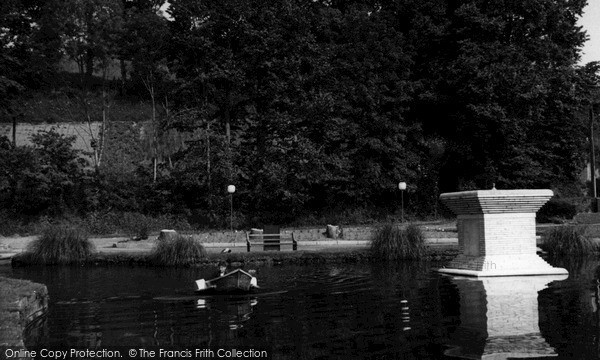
(235, 281)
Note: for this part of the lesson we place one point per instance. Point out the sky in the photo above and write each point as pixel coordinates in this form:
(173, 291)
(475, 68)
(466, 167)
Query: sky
(591, 24)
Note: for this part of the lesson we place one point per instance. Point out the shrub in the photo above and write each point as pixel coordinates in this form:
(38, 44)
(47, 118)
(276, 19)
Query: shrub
(60, 244)
(10, 226)
(568, 240)
(135, 225)
(132, 224)
(178, 251)
(101, 224)
(392, 243)
(556, 209)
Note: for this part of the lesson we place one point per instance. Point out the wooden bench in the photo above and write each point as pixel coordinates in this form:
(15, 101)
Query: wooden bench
(271, 242)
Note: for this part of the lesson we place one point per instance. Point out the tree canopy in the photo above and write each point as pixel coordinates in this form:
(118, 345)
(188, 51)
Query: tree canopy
(310, 107)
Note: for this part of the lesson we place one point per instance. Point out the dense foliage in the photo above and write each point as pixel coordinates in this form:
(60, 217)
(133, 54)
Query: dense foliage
(308, 107)
(557, 210)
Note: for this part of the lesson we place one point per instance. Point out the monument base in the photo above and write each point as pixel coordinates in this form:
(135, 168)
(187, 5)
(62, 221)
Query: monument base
(501, 265)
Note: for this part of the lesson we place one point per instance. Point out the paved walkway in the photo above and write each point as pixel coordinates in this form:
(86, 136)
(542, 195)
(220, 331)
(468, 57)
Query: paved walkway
(436, 234)
(9, 246)
(309, 239)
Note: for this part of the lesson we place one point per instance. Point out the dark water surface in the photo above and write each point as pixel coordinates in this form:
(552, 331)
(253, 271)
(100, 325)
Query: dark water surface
(366, 311)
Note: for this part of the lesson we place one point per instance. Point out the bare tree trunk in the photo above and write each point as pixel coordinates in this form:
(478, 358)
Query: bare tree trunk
(14, 130)
(166, 107)
(208, 162)
(149, 84)
(227, 117)
(123, 75)
(81, 66)
(155, 133)
(208, 153)
(154, 171)
(103, 127)
(228, 129)
(89, 65)
(100, 141)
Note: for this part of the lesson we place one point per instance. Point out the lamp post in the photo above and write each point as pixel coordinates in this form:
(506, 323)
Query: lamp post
(231, 190)
(593, 93)
(593, 161)
(592, 153)
(402, 187)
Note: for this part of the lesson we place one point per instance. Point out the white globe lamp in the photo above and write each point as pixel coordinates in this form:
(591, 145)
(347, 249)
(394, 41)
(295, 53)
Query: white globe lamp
(402, 187)
(231, 190)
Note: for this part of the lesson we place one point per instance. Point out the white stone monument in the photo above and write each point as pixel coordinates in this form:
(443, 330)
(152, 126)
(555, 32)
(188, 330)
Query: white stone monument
(499, 318)
(496, 233)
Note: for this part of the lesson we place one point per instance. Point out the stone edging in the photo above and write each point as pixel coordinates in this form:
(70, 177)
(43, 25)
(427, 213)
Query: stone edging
(257, 258)
(429, 241)
(21, 303)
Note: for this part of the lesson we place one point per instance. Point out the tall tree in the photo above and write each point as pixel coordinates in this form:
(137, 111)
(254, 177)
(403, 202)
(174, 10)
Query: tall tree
(29, 41)
(318, 93)
(44, 178)
(505, 98)
(91, 29)
(145, 42)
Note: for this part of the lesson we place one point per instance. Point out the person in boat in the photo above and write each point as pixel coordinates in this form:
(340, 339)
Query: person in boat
(239, 277)
(213, 274)
(220, 272)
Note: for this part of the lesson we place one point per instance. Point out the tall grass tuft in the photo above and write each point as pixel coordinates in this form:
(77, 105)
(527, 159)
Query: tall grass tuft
(178, 251)
(568, 240)
(60, 244)
(392, 243)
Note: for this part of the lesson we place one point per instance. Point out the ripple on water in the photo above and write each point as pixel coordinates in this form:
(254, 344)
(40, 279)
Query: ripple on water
(317, 311)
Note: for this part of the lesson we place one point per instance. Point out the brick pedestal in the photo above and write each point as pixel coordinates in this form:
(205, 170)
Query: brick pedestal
(496, 233)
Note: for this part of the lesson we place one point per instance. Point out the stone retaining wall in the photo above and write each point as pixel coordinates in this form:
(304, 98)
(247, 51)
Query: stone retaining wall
(312, 234)
(21, 302)
(259, 258)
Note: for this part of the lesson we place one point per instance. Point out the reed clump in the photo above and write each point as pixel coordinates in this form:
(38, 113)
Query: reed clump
(389, 242)
(568, 240)
(60, 244)
(179, 250)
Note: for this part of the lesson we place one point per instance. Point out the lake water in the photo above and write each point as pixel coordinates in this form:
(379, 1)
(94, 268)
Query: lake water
(322, 311)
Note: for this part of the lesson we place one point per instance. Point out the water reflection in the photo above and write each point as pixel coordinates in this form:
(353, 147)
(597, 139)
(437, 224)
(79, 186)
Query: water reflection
(499, 318)
(326, 311)
(568, 317)
(235, 311)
